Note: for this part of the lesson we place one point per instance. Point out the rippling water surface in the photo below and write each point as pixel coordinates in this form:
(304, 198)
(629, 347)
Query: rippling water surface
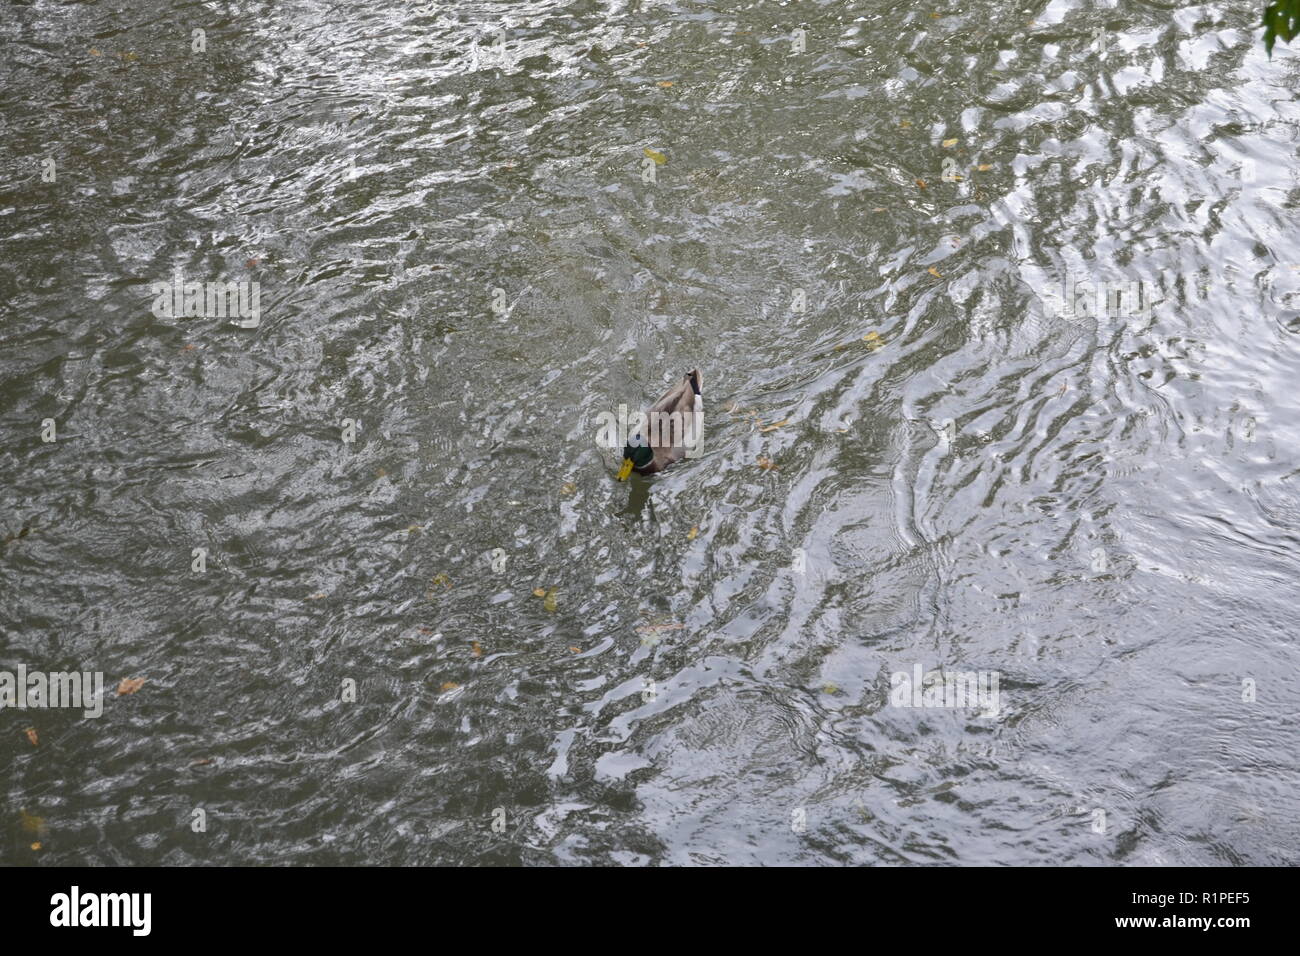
(1100, 510)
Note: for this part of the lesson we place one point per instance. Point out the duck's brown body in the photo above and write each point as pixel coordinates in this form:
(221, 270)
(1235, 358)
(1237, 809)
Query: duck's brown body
(681, 411)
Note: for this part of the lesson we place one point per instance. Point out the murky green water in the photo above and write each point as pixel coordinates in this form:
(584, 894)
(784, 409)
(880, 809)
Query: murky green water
(1100, 511)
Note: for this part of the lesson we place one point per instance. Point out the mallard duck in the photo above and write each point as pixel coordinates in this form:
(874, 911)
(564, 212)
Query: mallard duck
(673, 426)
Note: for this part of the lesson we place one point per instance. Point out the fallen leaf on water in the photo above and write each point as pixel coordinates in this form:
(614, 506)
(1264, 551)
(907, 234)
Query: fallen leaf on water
(921, 183)
(576, 650)
(189, 348)
(250, 263)
(690, 535)
(32, 737)
(381, 473)
(905, 124)
(426, 630)
(449, 685)
(767, 464)
(201, 763)
(831, 689)
(775, 425)
(549, 601)
(879, 209)
(130, 685)
(476, 650)
(441, 579)
(651, 629)
(317, 596)
(568, 488)
(659, 158)
(949, 143)
(665, 83)
(36, 846)
(539, 592)
(414, 528)
(985, 167)
(94, 52)
(934, 272)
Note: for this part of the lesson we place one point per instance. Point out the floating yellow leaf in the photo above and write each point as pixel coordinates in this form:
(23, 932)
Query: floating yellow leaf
(549, 601)
(934, 272)
(905, 124)
(948, 143)
(576, 650)
(476, 650)
(414, 528)
(129, 685)
(32, 736)
(879, 209)
(659, 158)
(767, 464)
(441, 579)
(690, 535)
(831, 689)
(568, 488)
(94, 52)
(539, 592)
(775, 425)
(449, 685)
(665, 83)
(36, 846)
(985, 167)
(921, 183)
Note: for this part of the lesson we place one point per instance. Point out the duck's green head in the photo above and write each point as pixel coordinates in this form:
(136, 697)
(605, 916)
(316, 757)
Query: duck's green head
(636, 454)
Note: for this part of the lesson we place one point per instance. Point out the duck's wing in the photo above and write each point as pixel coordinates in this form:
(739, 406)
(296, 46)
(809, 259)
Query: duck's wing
(679, 405)
(673, 399)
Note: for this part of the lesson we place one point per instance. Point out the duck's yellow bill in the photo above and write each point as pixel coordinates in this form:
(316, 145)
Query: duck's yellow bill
(625, 470)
